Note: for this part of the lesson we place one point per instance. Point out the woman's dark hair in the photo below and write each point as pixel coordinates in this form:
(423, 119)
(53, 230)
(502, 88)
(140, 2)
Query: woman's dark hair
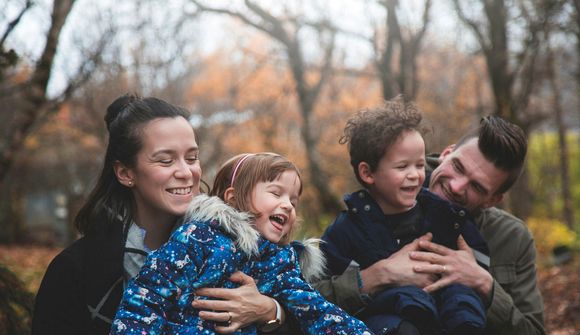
(110, 201)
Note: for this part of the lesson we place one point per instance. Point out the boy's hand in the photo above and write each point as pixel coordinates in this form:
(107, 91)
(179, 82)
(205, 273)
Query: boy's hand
(396, 270)
(453, 267)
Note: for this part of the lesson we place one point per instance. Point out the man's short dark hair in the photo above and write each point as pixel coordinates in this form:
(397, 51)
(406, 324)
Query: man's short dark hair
(502, 143)
(369, 133)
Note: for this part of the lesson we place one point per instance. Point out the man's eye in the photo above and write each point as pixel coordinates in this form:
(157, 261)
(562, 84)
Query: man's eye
(479, 189)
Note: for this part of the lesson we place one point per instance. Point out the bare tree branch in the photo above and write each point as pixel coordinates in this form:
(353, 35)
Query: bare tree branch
(27, 5)
(277, 29)
(472, 24)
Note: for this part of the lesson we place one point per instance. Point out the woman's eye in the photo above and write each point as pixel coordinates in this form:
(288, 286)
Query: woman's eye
(165, 161)
(192, 160)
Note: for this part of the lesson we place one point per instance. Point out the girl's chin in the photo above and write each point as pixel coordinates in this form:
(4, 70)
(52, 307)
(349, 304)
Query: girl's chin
(274, 238)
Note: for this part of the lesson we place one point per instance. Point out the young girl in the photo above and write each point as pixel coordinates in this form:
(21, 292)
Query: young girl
(243, 228)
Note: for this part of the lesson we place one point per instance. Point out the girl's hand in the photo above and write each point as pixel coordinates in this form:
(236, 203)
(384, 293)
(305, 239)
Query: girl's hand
(237, 307)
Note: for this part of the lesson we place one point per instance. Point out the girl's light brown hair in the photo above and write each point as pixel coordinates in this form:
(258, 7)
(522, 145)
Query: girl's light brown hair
(250, 169)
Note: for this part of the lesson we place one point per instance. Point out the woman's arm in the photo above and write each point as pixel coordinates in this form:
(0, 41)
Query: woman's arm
(245, 304)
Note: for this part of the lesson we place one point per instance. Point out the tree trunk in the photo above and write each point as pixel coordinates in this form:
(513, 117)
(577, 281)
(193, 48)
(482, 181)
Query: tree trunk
(404, 81)
(35, 94)
(564, 165)
(521, 197)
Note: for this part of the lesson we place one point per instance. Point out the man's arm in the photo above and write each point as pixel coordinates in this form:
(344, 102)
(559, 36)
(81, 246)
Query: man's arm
(348, 289)
(517, 308)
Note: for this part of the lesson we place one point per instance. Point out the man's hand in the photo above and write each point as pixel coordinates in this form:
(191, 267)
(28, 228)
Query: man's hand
(238, 307)
(453, 267)
(397, 270)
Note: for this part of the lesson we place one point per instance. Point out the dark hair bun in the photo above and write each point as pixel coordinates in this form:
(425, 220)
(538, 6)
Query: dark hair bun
(117, 107)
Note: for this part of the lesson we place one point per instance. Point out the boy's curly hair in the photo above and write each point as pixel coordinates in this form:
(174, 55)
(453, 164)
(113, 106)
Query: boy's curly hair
(369, 133)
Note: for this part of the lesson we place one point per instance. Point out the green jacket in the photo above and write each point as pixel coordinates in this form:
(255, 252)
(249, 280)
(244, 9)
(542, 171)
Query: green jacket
(516, 307)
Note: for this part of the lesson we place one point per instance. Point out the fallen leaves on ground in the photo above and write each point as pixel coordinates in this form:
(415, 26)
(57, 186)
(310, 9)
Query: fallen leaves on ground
(560, 286)
(28, 262)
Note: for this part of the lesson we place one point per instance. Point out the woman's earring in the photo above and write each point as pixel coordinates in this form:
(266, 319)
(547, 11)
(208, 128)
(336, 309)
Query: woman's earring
(130, 183)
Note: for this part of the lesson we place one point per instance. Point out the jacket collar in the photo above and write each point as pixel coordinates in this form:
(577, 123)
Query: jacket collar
(237, 224)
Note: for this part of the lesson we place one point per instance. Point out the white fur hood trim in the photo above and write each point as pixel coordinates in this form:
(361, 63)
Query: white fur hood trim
(312, 260)
(233, 222)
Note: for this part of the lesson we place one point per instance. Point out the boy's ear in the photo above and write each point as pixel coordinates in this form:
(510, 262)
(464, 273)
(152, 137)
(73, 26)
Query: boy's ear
(365, 173)
(229, 195)
(124, 174)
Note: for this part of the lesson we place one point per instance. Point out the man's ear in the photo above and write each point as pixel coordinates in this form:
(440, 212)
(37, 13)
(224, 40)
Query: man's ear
(124, 174)
(449, 149)
(494, 200)
(365, 173)
(229, 195)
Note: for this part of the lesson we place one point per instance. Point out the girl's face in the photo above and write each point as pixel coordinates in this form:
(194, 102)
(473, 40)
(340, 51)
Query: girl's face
(167, 173)
(275, 202)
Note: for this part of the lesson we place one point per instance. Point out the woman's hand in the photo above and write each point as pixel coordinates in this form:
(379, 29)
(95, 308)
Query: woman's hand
(238, 307)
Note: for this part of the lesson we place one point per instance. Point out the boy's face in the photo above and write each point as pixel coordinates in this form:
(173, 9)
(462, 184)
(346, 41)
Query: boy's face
(399, 175)
(276, 201)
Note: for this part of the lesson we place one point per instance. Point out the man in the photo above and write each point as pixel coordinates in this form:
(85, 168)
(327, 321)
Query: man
(475, 173)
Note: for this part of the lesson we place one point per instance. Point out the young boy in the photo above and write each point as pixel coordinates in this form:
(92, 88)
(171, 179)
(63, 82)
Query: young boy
(387, 153)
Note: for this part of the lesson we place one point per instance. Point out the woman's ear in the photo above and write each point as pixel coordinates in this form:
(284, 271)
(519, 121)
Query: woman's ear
(124, 174)
(229, 195)
(365, 173)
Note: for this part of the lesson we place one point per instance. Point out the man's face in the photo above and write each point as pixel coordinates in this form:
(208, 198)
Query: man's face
(467, 178)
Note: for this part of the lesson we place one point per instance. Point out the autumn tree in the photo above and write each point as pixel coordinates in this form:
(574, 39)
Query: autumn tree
(402, 76)
(511, 63)
(308, 81)
(35, 103)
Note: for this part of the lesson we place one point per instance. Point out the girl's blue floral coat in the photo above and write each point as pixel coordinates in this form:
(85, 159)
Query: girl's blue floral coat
(216, 241)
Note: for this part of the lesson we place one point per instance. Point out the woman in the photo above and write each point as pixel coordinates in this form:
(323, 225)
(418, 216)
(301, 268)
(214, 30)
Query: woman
(150, 175)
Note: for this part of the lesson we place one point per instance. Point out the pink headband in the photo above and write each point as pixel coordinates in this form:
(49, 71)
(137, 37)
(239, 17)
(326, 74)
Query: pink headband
(237, 167)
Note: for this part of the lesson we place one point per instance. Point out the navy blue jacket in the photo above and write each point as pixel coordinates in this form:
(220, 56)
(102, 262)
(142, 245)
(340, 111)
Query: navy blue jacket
(363, 234)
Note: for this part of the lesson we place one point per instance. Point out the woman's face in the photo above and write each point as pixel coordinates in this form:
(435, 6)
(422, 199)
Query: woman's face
(167, 173)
